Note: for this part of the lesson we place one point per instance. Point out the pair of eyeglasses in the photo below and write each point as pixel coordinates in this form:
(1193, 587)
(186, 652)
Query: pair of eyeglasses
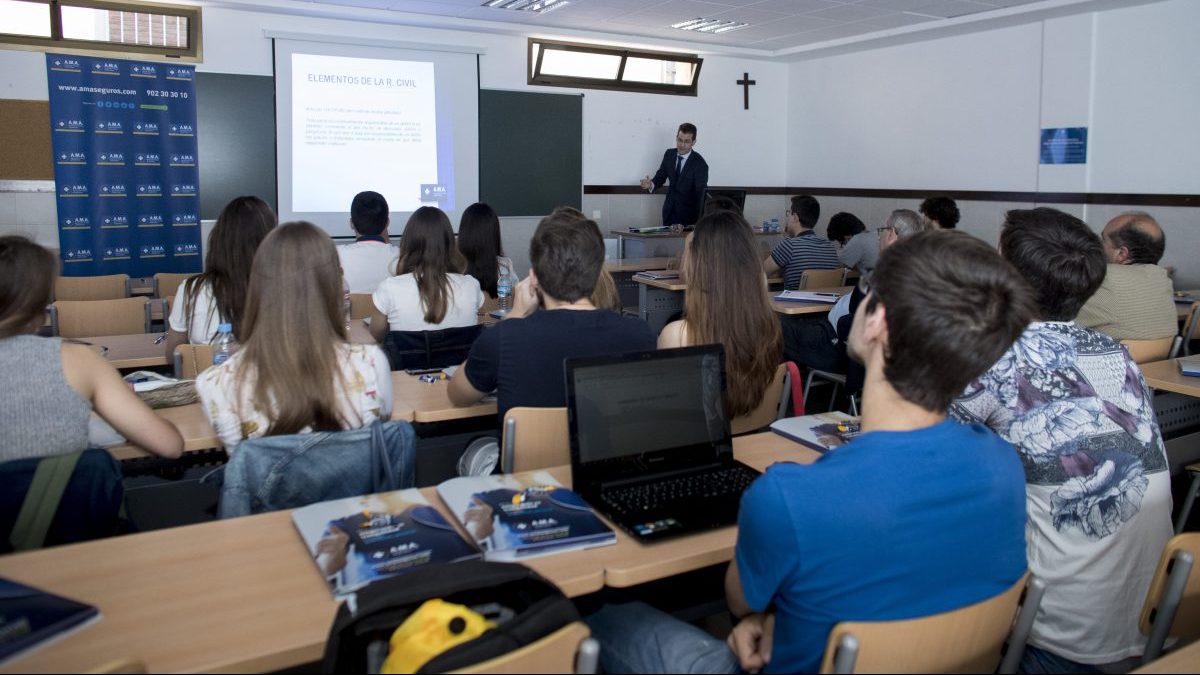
(885, 228)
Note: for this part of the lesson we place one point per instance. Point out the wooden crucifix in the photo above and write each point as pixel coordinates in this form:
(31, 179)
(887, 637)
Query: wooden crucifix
(746, 82)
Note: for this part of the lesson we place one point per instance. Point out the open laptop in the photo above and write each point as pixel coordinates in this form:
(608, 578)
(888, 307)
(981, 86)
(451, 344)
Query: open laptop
(650, 441)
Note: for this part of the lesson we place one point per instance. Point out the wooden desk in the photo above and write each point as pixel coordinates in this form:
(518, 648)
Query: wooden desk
(636, 264)
(789, 308)
(130, 351)
(1185, 659)
(243, 595)
(1165, 375)
(660, 299)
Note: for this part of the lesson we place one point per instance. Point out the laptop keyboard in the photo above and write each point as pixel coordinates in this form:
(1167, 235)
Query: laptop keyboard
(650, 497)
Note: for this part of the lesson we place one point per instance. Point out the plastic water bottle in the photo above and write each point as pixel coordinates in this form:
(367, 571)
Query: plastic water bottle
(224, 345)
(775, 225)
(504, 291)
(346, 301)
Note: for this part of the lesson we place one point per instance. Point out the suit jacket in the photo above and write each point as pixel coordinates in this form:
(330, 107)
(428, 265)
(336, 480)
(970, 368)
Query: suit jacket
(685, 194)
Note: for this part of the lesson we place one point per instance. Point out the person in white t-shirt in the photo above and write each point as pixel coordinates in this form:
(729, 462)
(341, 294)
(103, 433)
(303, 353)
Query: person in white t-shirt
(296, 371)
(429, 291)
(218, 295)
(372, 256)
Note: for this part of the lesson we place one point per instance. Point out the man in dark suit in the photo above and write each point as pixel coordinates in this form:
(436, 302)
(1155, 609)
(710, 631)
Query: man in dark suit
(687, 174)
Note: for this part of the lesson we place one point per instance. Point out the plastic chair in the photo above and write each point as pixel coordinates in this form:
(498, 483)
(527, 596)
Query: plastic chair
(543, 440)
(191, 360)
(1189, 328)
(773, 406)
(61, 499)
(166, 284)
(1147, 351)
(1172, 607)
(966, 640)
(89, 318)
(108, 287)
(569, 649)
(821, 278)
(361, 306)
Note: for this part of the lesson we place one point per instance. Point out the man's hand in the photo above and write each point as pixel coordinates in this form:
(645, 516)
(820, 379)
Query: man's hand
(647, 183)
(751, 641)
(525, 299)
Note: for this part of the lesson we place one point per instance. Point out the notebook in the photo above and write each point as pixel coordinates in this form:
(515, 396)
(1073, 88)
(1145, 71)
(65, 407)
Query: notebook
(821, 432)
(1189, 365)
(31, 618)
(650, 440)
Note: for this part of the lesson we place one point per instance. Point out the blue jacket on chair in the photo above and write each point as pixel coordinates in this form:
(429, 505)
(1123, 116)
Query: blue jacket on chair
(284, 472)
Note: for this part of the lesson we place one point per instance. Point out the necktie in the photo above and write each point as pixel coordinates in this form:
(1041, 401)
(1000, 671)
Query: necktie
(679, 165)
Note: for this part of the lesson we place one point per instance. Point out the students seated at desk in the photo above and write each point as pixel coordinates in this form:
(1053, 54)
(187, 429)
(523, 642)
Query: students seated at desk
(52, 386)
(479, 242)
(429, 292)
(521, 358)
(726, 303)
(1079, 413)
(803, 249)
(918, 515)
(860, 250)
(218, 295)
(372, 256)
(1136, 300)
(295, 372)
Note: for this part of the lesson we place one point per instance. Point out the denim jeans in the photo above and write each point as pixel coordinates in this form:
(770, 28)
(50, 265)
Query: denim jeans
(1038, 661)
(636, 638)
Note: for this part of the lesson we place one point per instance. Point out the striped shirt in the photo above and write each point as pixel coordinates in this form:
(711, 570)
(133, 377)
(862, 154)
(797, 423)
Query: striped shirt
(805, 251)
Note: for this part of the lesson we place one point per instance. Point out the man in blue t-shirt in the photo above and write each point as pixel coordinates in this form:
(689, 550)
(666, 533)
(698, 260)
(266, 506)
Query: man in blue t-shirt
(552, 319)
(918, 515)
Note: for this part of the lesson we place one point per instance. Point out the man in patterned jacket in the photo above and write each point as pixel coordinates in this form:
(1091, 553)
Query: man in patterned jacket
(1074, 405)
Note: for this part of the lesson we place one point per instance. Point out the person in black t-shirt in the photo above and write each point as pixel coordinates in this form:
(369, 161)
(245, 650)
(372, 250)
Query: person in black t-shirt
(521, 358)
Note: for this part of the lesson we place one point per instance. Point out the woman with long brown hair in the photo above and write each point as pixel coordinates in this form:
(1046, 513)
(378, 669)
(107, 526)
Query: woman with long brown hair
(296, 372)
(429, 291)
(726, 303)
(218, 295)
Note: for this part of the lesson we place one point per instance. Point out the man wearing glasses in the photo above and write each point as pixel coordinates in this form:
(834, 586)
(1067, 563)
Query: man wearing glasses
(803, 249)
(686, 173)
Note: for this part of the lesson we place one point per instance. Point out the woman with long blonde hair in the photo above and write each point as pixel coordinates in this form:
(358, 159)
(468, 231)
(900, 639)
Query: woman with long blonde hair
(296, 372)
(726, 303)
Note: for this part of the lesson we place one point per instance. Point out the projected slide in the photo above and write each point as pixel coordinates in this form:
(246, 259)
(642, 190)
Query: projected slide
(360, 122)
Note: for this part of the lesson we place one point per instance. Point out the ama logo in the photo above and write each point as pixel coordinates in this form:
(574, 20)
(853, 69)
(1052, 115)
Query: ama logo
(112, 159)
(112, 190)
(184, 74)
(151, 220)
(73, 190)
(77, 255)
(149, 190)
(147, 159)
(77, 223)
(183, 190)
(109, 127)
(70, 125)
(106, 68)
(114, 222)
(185, 220)
(72, 158)
(187, 249)
(145, 129)
(143, 70)
(152, 251)
(116, 253)
(183, 160)
(182, 130)
(67, 65)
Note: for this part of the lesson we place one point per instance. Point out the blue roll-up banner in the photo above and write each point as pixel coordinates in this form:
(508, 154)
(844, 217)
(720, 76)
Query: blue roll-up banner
(124, 138)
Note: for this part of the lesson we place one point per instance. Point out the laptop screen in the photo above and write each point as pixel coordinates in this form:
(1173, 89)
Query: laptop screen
(657, 409)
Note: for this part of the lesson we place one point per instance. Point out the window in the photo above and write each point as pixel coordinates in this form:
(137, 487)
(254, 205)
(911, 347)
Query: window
(566, 64)
(101, 25)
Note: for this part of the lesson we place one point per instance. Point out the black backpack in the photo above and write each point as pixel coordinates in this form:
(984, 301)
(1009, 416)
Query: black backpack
(538, 609)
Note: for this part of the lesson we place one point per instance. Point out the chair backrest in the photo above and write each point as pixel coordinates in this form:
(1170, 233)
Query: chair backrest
(166, 284)
(566, 650)
(361, 305)
(820, 278)
(1189, 327)
(89, 318)
(1172, 607)
(769, 409)
(191, 360)
(535, 438)
(59, 500)
(1147, 351)
(849, 274)
(108, 287)
(966, 640)
(429, 348)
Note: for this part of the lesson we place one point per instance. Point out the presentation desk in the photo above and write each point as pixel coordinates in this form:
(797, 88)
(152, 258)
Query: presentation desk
(412, 401)
(625, 235)
(243, 595)
(660, 299)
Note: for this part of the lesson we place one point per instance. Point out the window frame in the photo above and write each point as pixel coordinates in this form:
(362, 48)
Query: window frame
(193, 53)
(534, 76)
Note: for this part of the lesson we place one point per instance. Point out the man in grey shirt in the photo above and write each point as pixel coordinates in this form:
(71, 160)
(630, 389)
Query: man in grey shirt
(1136, 300)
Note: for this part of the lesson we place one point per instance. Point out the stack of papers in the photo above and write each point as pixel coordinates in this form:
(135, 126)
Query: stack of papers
(1189, 365)
(808, 296)
(657, 274)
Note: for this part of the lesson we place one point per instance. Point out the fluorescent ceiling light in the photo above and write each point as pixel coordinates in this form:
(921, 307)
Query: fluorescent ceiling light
(709, 25)
(534, 6)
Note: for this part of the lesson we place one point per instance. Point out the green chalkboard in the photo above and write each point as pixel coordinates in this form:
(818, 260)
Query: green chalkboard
(530, 151)
(235, 120)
